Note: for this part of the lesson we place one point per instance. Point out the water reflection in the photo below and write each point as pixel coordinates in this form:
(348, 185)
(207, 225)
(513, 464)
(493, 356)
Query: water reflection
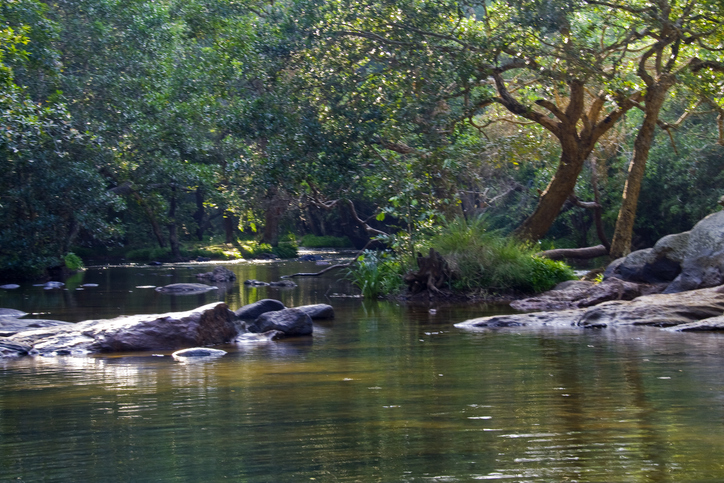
(384, 392)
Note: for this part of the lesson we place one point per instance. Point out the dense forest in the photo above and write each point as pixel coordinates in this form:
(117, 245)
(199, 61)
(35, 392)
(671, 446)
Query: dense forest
(164, 124)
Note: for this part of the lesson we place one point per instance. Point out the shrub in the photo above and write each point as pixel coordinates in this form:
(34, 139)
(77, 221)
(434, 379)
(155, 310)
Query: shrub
(73, 262)
(254, 249)
(313, 241)
(482, 259)
(286, 250)
(376, 273)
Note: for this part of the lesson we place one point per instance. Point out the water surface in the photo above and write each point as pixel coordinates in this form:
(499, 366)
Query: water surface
(384, 392)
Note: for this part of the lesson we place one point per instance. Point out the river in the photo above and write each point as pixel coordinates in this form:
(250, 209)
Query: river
(385, 392)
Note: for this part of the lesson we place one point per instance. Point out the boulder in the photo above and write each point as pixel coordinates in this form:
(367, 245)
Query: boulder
(252, 311)
(283, 283)
(292, 322)
(207, 325)
(685, 261)
(12, 325)
(317, 311)
(657, 310)
(186, 288)
(219, 274)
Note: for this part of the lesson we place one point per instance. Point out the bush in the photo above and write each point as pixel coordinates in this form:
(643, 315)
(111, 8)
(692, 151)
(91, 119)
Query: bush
(73, 262)
(313, 241)
(254, 249)
(286, 250)
(376, 274)
(482, 259)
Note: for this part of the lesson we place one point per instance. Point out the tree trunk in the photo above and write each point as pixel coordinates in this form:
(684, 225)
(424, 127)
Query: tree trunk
(152, 219)
(559, 189)
(230, 224)
(621, 243)
(200, 215)
(272, 217)
(173, 227)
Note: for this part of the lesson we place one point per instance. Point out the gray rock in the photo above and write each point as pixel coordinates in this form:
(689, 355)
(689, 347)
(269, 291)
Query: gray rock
(10, 348)
(255, 283)
(577, 294)
(198, 352)
(219, 274)
(208, 325)
(283, 283)
(672, 247)
(186, 288)
(12, 325)
(11, 313)
(657, 310)
(252, 311)
(10, 286)
(318, 311)
(704, 270)
(292, 322)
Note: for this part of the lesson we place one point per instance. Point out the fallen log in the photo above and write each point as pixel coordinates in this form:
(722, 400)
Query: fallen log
(584, 253)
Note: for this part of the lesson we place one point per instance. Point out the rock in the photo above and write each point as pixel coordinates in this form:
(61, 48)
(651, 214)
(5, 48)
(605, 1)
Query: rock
(211, 324)
(318, 311)
(292, 322)
(219, 274)
(283, 283)
(704, 270)
(255, 283)
(11, 313)
(310, 258)
(252, 311)
(198, 353)
(185, 288)
(9, 348)
(12, 325)
(575, 294)
(657, 310)
(10, 286)
(686, 261)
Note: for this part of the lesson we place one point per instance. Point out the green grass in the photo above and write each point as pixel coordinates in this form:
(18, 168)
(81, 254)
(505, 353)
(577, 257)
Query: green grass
(483, 259)
(376, 274)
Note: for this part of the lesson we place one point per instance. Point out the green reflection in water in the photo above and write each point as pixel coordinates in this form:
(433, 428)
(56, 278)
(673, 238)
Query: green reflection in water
(382, 393)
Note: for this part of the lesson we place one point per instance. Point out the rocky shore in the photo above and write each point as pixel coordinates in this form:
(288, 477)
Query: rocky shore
(677, 284)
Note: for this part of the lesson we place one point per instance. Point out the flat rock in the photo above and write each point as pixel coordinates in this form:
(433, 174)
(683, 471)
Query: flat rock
(185, 288)
(10, 286)
(657, 310)
(252, 311)
(293, 322)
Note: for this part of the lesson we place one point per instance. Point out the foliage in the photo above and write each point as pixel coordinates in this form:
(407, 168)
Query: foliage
(286, 250)
(483, 259)
(73, 262)
(377, 273)
(255, 249)
(326, 241)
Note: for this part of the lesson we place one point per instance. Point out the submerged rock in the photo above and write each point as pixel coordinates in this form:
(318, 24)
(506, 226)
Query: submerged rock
(198, 353)
(219, 274)
(186, 288)
(292, 322)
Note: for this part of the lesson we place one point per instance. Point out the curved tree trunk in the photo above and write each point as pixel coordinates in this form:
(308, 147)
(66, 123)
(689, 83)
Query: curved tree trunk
(552, 199)
(621, 243)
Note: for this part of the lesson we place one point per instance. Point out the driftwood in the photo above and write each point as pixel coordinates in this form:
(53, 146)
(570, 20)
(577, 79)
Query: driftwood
(584, 253)
(432, 273)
